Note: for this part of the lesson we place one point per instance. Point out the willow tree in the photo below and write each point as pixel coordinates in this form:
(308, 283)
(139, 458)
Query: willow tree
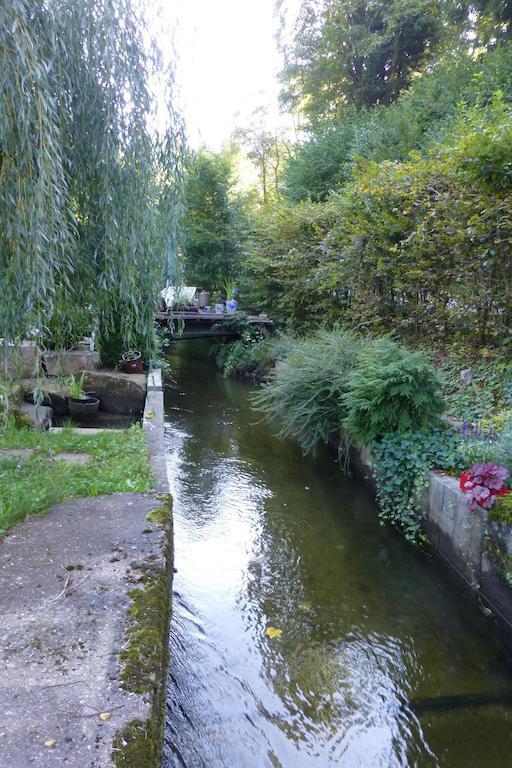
(89, 190)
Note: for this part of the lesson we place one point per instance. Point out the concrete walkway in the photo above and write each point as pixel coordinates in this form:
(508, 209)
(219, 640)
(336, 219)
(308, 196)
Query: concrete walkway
(65, 580)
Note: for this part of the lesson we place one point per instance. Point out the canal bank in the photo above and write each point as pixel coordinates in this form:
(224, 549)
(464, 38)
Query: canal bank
(85, 600)
(304, 633)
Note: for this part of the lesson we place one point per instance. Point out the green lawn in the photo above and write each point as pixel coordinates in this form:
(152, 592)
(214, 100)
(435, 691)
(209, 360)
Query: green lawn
(30, 485)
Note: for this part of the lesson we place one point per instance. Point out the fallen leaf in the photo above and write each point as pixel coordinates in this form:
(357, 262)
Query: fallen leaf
(149, 414)
(105, 715)
(50, 743)
(135, 576)
(273, 632)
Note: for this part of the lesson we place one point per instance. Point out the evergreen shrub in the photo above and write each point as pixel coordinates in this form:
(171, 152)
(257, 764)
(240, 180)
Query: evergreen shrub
(390, 389)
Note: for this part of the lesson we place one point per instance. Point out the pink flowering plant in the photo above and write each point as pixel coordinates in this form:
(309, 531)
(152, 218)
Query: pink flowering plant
(483, 482)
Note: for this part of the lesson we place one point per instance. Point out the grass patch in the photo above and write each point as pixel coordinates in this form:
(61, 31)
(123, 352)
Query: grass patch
(30, 485)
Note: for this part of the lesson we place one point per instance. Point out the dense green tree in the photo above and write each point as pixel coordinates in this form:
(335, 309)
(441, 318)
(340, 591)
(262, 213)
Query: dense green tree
(422, 114)
(493, 20)
(210, 239)
(361, 53)
(322, 161)
(398, 247)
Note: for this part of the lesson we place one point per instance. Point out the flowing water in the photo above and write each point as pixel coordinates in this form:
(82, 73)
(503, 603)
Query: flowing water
(381, 661)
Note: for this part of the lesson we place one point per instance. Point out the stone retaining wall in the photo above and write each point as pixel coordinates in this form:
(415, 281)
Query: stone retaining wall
(476, 548)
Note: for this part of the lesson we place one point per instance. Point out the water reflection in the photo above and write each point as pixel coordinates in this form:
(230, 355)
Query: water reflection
(266, 538)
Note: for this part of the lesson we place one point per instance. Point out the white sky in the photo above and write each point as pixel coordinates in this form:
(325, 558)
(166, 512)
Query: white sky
(227, 64)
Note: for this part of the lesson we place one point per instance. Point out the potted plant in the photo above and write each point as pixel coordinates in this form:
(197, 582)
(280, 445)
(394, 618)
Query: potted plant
(219, 304)
(231, 294)
(131, 362)
(81, 404)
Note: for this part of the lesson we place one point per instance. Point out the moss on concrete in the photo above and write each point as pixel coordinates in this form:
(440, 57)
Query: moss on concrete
(502, 510)
(148, 621)
(161, 515)
(497, 551)
(145, 658)
(137, 746)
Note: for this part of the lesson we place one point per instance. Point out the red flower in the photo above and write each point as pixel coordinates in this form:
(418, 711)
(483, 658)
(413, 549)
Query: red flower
(482, 483)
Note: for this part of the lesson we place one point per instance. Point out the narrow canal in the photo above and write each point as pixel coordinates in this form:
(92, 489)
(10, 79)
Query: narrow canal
(380, 662)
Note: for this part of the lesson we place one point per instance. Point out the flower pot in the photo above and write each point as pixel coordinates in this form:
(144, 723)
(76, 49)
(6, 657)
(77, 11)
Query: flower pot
(83, 407)
(231, 305)
(203, 300)
(207, 309)
(132, 362)
(219, 309)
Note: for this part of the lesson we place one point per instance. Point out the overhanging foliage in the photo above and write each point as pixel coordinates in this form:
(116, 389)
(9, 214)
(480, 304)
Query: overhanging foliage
(89, 193)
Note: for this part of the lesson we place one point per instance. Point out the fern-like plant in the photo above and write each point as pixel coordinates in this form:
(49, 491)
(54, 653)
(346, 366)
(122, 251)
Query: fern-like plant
(390, 389)
(305, 392)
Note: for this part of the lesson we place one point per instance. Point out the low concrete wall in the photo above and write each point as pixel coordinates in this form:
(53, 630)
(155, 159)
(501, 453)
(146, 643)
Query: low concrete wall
(145, 655)
(21, 361)
(476, 548)
(154, 429)
(71, 361)
(18, 361)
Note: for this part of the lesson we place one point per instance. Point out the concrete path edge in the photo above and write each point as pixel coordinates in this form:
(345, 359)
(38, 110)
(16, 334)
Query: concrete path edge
(85, 600)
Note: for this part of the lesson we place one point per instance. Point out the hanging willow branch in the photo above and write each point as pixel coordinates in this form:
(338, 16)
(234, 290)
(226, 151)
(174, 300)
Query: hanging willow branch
(89, 193)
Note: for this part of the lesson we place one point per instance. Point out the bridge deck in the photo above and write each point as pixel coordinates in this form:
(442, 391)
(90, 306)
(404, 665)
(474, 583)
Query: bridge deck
(208, 324)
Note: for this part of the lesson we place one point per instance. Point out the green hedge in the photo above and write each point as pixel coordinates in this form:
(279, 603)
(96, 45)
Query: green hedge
(420, 247)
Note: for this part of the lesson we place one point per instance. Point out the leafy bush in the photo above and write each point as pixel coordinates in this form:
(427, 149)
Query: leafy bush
(389, 389)
(476, 387)
(245, 357)
(306, 389)
(250, 355)
(479, 451)
(402, 463)
(397, 247)
(280, 272)
(422, 115)
(487, 447)
(482, 146)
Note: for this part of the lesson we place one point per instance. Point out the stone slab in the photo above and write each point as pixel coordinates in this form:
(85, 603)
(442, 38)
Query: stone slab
(16, 453)
(71, 361)
(73, 458)
(64, 597)
(153, 424)
(39, 417)
(155, 379)
(122, 393)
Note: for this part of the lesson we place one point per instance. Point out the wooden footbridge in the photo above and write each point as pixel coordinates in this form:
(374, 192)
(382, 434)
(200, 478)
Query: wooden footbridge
(196, 324)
